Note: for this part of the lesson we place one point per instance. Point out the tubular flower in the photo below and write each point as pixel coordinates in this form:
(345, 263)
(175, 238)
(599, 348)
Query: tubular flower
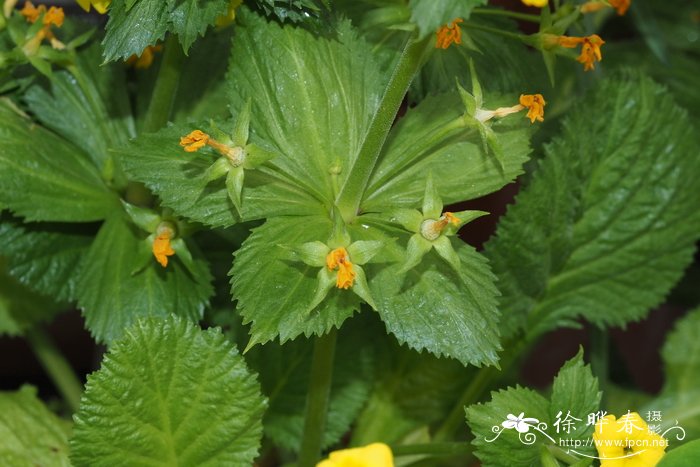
(627, 442)
(372, 455)
(161, 244)
(590, 49)
(99, 5)
(54, 16)
(340, 260)
(197, 139)
(449, 34)
(537, 3)
(194, 141)
(621, 6)
(144, 60)
(535, 104)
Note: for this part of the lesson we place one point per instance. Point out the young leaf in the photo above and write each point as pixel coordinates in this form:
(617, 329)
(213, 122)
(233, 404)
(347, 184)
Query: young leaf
(44, 257)
(459, 167)
(429, 15)
(43, 177)
(168, 394)
(135, 24)
(179, 179)
(432, 307)
(120, 281)
(610, 219)
(31, 434)
(274, 292)
(312, 98)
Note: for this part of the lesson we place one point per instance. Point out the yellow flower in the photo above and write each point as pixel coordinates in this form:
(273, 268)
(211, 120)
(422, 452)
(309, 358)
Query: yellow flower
(372, 455)
(535, 104)
(161, 244)
(99, 5)
(194, 141)
(447, 35)
(590, 49)
(449, 217)
(52, 17)
(627, 442)
(537, 3)
(146, 58)
(340, 260)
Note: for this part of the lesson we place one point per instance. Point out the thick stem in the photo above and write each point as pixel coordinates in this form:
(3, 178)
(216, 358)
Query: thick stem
(56, 366)
(166, 86)
(353, 189)
(317, 399)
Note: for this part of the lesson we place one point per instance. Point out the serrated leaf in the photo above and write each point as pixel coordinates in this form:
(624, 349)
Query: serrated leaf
(460, 169)
(684, 456)
(284, 375)
(429, 15)
(31, 434)
(43, 177)
(679, 400)
(179, 179)
(274, 293)
(610, 219)
(507, 449)
(120, 282)
(44, 257)
(91, 110)
(134, 26)
(168, 394)
(331, 90)
(433, 308)
(21, 308)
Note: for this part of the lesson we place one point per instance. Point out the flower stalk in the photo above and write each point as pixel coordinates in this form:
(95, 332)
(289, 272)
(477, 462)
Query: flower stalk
(167, 83)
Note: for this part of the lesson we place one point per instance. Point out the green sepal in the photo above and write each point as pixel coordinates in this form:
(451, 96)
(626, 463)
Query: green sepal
(476, 86)
(363, 251)
(242, 128)
(325, 283)
(444, 248)
(311, 253)
(361, 288)
(255, 156)
(183, 253)
(489, 142)
(468, 100)
(146, 219)
(410, 219)
(218, 169)
(432, 203)
(416, 249)
(81, 39)
(41, 65)
(464, 217)
(234, 186)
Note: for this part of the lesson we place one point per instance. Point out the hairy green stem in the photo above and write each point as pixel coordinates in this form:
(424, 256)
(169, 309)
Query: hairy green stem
(500, 32)
(600, 356)
(56, 366)
(166, 86)
(432, 449)
(508, 13)
(352, 191)
(317, 399)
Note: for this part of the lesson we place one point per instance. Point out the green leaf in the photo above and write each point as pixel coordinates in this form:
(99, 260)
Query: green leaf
(430, 15)
(687, 455)
(284, 375)
(168, 394)
(135, 25)
(679, 400)
(43, 177)
(317, 125)
(44, 257)
(31, 434)
(179, 179)
(427, 140)
(610, 219)
(274, 293)
(20, 307)
(90, 109)
(433, 308)
(121, 281)
(507, 448)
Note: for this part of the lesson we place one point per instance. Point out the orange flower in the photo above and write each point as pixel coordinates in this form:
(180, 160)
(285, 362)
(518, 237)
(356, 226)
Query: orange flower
(340, 260)
(161, 246)
(447, 35)
(451, 218)
(590, 49)
(535, 104)
(620, 5)
(194, 141)
(53, 16)
(146, 58)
